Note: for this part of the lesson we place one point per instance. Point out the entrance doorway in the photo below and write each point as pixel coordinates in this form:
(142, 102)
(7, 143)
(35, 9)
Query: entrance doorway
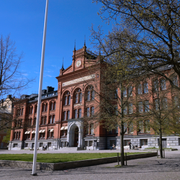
(76, 137)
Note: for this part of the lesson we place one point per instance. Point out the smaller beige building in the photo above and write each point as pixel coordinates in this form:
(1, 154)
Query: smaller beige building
(6, 108)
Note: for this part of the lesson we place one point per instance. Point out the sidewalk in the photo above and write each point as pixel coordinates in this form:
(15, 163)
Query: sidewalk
(139, 169)
(63, 151)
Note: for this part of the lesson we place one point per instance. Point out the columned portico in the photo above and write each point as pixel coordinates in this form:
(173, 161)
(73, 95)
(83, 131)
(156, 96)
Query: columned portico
(75, 133)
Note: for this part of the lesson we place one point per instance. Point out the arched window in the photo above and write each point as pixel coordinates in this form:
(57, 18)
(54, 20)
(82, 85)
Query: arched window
(77, 96)
(90, 93)
(67, 98)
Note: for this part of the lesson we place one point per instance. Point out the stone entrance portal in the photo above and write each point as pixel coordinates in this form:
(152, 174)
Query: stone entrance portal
(75, 133)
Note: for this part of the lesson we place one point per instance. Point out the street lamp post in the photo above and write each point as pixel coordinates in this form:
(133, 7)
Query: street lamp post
(40, 91)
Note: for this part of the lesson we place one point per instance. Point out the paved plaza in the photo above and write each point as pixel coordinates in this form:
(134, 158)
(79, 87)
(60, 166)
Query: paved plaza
(141, 169)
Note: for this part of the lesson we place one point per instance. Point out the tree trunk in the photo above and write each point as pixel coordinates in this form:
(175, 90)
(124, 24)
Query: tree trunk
(160, 144)
(122, 143)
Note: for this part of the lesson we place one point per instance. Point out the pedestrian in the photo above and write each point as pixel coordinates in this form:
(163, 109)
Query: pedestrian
(129, 145)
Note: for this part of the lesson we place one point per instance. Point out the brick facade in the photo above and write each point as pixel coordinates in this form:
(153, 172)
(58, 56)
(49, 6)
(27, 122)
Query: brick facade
(62, 113)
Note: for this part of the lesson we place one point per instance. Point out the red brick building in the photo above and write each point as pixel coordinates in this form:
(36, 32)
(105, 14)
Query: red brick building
(62, 112)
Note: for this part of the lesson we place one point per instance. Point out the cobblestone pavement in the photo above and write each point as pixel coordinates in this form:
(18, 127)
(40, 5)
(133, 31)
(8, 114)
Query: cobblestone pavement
(141, 169)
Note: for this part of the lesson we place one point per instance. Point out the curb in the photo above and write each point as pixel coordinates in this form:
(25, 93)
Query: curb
(70, 165)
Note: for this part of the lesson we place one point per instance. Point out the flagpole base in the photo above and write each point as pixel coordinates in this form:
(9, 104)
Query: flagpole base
(35, 174)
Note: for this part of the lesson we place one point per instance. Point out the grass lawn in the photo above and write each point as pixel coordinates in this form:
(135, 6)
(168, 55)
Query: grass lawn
(55, 158)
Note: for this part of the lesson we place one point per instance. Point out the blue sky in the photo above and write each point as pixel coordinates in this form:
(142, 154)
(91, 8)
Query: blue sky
(68, 20)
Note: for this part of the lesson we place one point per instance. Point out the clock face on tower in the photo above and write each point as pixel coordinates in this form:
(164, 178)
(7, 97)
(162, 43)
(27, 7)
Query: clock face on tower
(78, 63)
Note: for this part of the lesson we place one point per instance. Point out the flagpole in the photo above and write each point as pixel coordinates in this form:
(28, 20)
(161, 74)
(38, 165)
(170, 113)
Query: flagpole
(40, 91)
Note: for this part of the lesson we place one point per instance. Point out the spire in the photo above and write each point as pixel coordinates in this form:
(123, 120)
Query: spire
(74, 45)
(62, 65)
(84, 40)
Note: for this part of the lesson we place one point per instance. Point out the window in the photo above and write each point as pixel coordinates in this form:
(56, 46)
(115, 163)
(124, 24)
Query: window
(87, 112)
(79, 113)
(30, 110)
(53, 106)
(68, 114)
(140, 127)
(88, 96)
(163, 84)
(67, 98)
(29, 122)
(130, 91)
(92, 111)
(44, 107)
(156, 104)
(93, 94)
(175, 81)
(20, 112)
(130, 108)
(64, 115)
(139, 90)
(116, 110)
(124, 92)
(176, 101)
(143, 142)
(35, 109)
(125, 127)
(155, 85)
(164, 103)
(116, 94)
(42, 135)
(19, 123)
(145, 87)
(146, 106)
(43, 120)
(27, 136)
(131, 127)
(76, 113)
(125, 110)
(90, 93)
(78, 96)
(92, 128)
(51, 133)
(34, 122)
(17, 135)
(140, 107)
(51, 119)
(147, 126)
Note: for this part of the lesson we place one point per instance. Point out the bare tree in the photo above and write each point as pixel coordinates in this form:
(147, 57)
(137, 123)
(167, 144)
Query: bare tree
(11, 79)
(153, 32)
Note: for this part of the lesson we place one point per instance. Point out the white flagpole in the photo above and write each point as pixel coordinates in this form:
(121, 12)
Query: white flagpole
(40, 91)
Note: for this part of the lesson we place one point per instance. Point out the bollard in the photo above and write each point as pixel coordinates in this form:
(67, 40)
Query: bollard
(118, 158)
(126, 158)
